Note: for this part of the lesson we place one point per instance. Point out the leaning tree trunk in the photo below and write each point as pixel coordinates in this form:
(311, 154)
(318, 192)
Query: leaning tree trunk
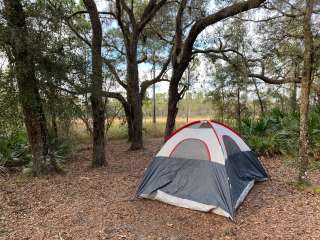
(174, 98)
(305, 91)
(172, 111)
(97, 103)
(28, 86)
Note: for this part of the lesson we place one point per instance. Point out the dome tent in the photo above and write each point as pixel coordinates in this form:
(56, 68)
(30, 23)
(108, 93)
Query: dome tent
(204, 165)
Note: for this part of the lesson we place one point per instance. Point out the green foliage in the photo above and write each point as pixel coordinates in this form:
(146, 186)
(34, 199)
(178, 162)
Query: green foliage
(278, 132)
(258, 135)
(58, 149)
(14, 150)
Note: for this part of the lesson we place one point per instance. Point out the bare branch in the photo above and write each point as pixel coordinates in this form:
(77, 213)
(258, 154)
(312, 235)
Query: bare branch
(114, 72)
(86, 12)
(260, 76)
(108, 62)
(149, 12)
(159, 78)
(143, 59)
(116, 95)
(160, 35)
(274, 81)
(124, 29)
(83, 38)
(259, 20)
(146, 84)
(130, 13)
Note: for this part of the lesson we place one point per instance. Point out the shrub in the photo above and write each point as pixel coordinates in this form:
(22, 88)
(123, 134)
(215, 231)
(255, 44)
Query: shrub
(15, 152)
(278, 132)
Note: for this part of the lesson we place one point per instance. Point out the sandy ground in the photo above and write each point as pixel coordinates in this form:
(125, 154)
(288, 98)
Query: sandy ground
(97, 204)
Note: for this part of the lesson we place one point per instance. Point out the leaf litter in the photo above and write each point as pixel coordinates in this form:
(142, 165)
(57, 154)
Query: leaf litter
(99, 204)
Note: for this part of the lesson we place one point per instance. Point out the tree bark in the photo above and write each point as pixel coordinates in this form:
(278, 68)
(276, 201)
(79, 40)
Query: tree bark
(127, 112)
(97, 103)
(293, 97)
(28, 86)
(305, 91)
(154, 116)
(133, 94)
(54, 125)
(173, 100)
(259, 97)
(238, 110)
(52, 96)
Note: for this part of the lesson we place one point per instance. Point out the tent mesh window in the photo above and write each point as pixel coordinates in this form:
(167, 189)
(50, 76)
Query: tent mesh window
(230, 145)
(191, 149)
(200, 125)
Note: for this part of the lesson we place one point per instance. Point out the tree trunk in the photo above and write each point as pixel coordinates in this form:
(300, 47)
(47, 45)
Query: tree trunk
(293, 97)
(173, 101)
(154, 117)
(259, 97)
(238, 110)
(52, 96)
(97, 104)
(129, 122)
(28, 86)
(305, 91)
(222, 104)
(133, 94)
(54, 125)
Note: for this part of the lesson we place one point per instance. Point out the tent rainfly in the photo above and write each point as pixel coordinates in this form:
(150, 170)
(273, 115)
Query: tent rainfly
(205, 166)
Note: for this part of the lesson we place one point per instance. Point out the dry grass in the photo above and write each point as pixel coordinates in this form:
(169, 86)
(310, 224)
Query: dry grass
(118, 129)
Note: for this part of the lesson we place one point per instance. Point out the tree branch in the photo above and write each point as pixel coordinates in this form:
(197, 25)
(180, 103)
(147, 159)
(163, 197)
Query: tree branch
(86, 12)
(86, 41)
(222, 14)
(124, 29)
(130, 13)
(149, 12)
(274, 81)
(178, 33)
(109, 64)
(116, 95)
(146, 84)
(114, 72)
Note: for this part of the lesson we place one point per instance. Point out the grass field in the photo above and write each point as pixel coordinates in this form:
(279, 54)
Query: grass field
(118, 129)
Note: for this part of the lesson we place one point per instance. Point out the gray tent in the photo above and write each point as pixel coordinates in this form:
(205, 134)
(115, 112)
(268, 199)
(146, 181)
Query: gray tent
(205, 166)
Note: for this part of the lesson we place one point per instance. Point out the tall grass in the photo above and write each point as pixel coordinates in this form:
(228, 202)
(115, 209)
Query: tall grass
(118, 129)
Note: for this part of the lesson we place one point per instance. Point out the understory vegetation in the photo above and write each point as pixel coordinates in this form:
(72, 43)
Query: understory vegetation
(278, 133)
(275, 133)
